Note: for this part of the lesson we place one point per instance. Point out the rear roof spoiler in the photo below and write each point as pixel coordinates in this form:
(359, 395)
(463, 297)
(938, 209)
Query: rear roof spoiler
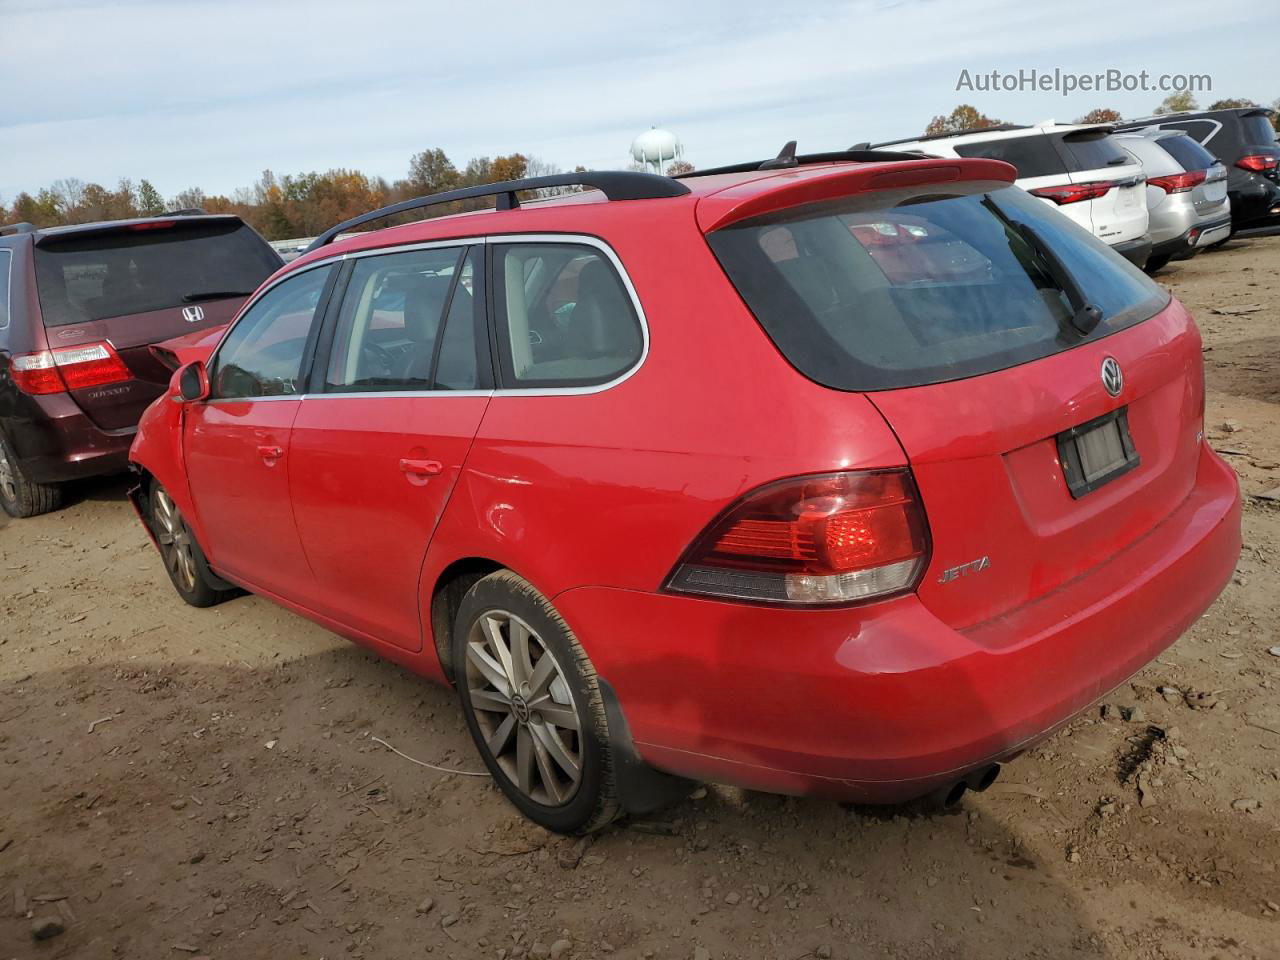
(53, 235)
(755, 198)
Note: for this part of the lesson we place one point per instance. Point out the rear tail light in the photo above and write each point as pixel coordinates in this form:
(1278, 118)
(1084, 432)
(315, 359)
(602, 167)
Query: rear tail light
(1257, 163)
(1075, 192)
(828, 538)
(68, 368)
(1179, 182)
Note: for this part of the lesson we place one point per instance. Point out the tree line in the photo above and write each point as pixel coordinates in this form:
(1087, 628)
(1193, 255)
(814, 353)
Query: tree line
(966, 117)
(281, 207)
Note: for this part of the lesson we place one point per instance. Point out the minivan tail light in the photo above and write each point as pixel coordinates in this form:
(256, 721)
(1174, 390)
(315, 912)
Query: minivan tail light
(68, 368)
(1179, 182)
(1074, 192)
(821, 539)
(1257, 163)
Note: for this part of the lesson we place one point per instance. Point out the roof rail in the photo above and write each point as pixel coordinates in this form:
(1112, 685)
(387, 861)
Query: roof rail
(615, 185)
(22, 227)
(184, 212)
(995, 128)
(788, 158)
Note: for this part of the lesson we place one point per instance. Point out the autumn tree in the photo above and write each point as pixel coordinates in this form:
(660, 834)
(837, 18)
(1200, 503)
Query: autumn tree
(1231, 103)
(150, 203)
(1179, 102)
(962, 118)
(431, 171)
(679, 167)
(1101, 115)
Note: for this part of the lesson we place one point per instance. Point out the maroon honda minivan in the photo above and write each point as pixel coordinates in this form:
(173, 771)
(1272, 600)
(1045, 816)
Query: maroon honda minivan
(80, 307)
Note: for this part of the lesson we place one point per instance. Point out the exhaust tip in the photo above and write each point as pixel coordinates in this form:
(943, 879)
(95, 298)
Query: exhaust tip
(949, 798)
(983, 778)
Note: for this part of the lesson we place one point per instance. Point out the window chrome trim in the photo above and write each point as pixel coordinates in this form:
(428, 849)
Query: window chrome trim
(581, 239)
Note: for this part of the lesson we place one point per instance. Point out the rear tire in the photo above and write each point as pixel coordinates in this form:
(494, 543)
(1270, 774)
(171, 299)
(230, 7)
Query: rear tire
(184, 561)
(533, 706)
(20, 497)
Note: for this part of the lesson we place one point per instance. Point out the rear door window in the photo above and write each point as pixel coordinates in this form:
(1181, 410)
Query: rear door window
(391, 326)
(1187, 152)
(564, 317)
(6, 267)
(1032, 156)
(146, 267)
(264, 354)
(1094, 151)
(860, 295)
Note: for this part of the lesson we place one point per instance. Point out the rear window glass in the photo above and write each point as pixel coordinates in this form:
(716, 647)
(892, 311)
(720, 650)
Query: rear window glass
(866, 295)
(1187, 152)
(1258, 130)
(1032, 156)
(1093, 152)
(83, 278)
(6, 263)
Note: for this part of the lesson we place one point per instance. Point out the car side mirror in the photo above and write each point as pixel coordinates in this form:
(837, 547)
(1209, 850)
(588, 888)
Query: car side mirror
(190, 383)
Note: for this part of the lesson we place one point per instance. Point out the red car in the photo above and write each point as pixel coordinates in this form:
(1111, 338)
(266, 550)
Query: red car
(848, 475)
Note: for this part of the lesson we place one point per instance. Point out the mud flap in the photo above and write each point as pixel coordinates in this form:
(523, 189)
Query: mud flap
(641, 788)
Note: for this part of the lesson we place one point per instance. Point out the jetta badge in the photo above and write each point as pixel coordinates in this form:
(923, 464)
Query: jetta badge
(196, 314)
(1112, 376)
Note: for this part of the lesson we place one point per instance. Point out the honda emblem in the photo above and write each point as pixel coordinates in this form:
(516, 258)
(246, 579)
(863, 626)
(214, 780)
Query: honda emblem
(192, 314)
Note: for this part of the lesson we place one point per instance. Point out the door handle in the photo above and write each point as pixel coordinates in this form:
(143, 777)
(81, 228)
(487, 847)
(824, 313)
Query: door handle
(421, 468)
(268, 452)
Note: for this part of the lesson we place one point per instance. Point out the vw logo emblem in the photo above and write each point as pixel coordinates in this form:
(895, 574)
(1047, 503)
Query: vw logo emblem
(192, 314)
(1112, 376)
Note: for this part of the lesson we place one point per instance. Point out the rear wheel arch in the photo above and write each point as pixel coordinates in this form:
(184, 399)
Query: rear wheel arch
(450, 587)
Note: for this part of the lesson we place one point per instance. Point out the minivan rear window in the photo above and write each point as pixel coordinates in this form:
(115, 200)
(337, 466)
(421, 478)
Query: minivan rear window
(1031, 156)
(868, 294)
(1187, 152)
(92, 276)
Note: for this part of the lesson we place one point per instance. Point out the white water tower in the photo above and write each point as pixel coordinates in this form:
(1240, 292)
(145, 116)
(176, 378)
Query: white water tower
(655, 148)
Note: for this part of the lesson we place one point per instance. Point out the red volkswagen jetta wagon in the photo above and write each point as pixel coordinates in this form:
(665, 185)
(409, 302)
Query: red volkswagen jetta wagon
(848, 474)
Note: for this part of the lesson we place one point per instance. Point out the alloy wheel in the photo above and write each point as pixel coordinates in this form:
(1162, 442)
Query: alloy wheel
(524, 707)
(8, 477)
(174, 537)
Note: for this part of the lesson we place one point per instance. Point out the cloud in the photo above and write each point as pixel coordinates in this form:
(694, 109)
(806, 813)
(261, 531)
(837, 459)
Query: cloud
(211, 93)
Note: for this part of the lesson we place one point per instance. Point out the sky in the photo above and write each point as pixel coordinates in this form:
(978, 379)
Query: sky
(209, 93)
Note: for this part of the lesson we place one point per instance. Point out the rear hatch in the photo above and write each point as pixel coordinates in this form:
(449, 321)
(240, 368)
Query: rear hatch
(133, 284)
(1209, 196)
(953, 319)
(1113, 181)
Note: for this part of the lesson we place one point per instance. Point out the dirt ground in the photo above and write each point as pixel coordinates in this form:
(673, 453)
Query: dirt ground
(177, 782)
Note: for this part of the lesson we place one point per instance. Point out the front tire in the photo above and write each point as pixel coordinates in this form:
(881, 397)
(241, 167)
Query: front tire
(533, 706)
(184, 561)
(1156, 263)
(20, 497)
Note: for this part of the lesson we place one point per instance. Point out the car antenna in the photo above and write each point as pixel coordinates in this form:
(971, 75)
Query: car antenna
(786, 158)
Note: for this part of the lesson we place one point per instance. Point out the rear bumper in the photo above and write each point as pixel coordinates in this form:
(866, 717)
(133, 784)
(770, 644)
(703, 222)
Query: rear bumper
(1189, 241)
(1136, 251)
(885, 702)
(55, 441)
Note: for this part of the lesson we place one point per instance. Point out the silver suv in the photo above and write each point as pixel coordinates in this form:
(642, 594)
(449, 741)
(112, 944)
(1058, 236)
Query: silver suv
(1187, 200)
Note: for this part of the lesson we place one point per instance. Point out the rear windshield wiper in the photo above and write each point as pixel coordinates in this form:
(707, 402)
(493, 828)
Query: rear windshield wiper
(1085, 316)
(214, 295)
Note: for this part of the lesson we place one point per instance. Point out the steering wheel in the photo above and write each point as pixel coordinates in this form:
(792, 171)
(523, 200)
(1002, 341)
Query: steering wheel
(378, 356)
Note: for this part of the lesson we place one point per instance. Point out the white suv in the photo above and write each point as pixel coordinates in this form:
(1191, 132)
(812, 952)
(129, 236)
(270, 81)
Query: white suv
(1077, 167)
